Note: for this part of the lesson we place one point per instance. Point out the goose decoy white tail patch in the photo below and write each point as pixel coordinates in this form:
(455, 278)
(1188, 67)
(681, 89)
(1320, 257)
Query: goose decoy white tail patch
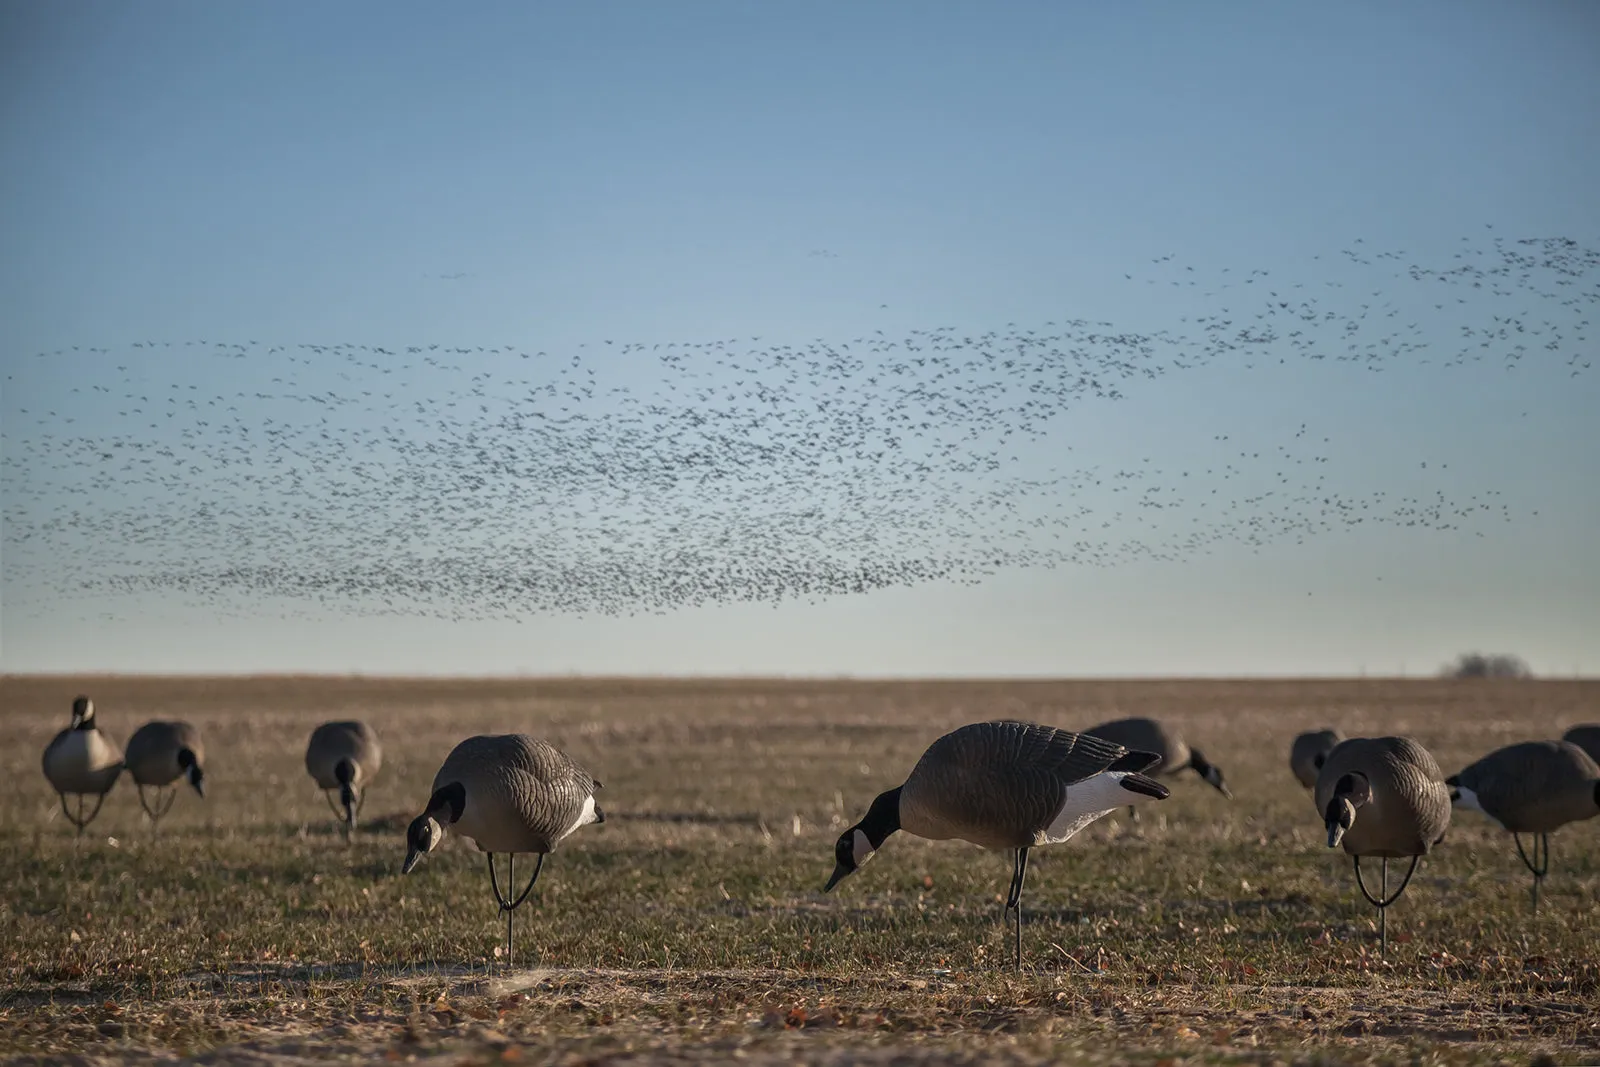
(1002, 785)
(1534, 788)
(509, 793)
(160, 753)
(344, 757)
(1384, 798)
(82, 762)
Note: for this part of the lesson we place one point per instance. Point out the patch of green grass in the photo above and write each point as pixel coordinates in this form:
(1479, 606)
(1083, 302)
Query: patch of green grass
(1206, 931)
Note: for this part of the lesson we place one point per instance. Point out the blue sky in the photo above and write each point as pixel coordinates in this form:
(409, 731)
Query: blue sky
(547, 177)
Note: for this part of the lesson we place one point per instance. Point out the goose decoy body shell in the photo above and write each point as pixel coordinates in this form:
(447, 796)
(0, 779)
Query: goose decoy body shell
(82, 759)
(514, 793)
(1308, 751)
(1010, 784)
(1408, 809)
(1147, 735)
(155, 754)
(332, 743)
(1531, 787)
(1587, 737)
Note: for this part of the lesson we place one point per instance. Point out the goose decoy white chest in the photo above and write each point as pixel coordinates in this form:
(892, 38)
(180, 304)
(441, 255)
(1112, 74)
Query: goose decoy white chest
(81, 761)
(509, 793)
(1002, 785)
(158, 754)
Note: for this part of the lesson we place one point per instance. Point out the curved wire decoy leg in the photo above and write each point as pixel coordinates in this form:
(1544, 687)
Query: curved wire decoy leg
(508, 905)
(162, 805)
(1384, 899)
(338, 812)
(80, 820)
(1019, 871)
(1539, 864)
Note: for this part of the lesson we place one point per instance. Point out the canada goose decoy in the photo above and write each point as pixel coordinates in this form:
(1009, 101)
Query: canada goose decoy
(1151, 735)
(82, 761)
(345, 756)
(1535, 788)
(158, 754)
(1309, 751)
(1002, 785)
(1383, 797)
(1587, 737)
(509, 793)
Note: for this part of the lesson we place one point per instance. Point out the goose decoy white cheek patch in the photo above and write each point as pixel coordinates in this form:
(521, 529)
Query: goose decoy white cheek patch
(861, 849)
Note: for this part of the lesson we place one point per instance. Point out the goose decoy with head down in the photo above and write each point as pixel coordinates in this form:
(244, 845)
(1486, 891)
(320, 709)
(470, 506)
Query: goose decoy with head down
(1587, 737)
(1383, 797)
(1152, 735)
(1002, 785)
(1309, 751)
(344, 756)
(158, 754)
(509, 793)
(82, 761)
(1534, 788)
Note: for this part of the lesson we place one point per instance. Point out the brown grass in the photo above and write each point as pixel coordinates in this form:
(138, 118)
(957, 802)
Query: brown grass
(691, 923)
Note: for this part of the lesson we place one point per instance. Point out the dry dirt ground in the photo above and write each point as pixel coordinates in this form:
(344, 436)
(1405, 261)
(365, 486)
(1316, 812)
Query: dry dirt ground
(691, 926)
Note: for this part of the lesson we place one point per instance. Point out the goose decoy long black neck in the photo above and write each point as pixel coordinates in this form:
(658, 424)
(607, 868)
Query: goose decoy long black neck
(345, 772)
(83, 714)
(1209, 771)
(191, 770)
(857, 845)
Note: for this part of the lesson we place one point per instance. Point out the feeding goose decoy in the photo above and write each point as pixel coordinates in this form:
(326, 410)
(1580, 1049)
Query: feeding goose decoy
(158, 754)
(1383, 797)
(1309, 751)
(509, 793)
(1587, 737)
(82, 761)
(1002, 785)
(344, 756)
(1152, 735)
(1534, 788)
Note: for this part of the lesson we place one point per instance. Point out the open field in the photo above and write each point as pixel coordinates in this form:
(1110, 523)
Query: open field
(691, 924)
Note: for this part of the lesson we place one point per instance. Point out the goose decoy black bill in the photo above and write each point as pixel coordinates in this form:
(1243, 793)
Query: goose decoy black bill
(1587, 737)
(1002, 785)
(1534, 788)
(344, 756)
(1383, 798)
(509, 793)
(82, 762)
(160, 753)
(1309, 751)
(1176, 754)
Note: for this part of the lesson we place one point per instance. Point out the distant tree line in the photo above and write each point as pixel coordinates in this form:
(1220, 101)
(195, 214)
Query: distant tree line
(1482, 665)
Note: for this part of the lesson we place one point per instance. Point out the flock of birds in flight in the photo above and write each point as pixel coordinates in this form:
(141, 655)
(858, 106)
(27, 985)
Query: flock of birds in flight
(1002, 785)
(624, 477)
